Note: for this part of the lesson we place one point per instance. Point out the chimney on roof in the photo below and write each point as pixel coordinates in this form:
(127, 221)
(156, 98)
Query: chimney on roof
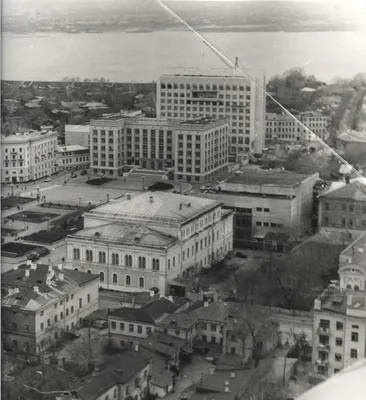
(16, 290)
(170, 298)
(137, 347)
(151, 199)
(33, 266)
(206, 303)
(317, 304)
(61, 276)
(212, 371)
(29, 262)
(180, 206)
(36, 289)
(59, 266)
(227, 389)
(27, 272)
(232, 375)
(15, 267)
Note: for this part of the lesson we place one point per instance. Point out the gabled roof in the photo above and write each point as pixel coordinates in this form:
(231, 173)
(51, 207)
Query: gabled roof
(132, 314)
(353, 191)
(126, 233)
(158, 308)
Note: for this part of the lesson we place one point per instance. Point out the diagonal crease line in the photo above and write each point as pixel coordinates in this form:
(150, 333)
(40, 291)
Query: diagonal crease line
(231, 65)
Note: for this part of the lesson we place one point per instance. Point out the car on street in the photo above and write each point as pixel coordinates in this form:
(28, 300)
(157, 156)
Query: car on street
(33, 256)
(84, 172)
(73, 175)
(42, 251)
(48, 179)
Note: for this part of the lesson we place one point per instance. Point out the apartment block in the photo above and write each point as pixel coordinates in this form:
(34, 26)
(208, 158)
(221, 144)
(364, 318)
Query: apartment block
(72, 157)
(42, 302)
(236, 98)
(28, 156)
(339, 321)
(147, 240)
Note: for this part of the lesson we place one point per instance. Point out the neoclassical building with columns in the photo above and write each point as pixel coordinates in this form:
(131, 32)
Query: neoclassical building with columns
(144, 241)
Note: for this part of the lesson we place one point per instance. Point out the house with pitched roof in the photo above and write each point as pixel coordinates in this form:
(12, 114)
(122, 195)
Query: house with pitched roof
(148, 240)
(40, 303)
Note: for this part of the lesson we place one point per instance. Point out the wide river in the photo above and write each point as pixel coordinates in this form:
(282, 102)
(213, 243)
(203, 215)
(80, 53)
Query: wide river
(123, 57)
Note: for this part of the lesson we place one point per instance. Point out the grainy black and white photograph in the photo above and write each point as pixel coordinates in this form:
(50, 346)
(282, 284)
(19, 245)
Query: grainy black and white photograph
(183, 199)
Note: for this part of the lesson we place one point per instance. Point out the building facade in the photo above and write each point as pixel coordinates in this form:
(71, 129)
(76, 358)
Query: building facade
(283, 127)
(77, 135)
(197, 150)
(339, 319)
(344, 209)
(147, 240)
(267, 203)
(73, 157)
(236, 98)
(28, 156)
(42, 303)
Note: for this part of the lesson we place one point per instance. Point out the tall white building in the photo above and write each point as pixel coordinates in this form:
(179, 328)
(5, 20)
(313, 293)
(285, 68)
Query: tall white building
(28, 156)
(237, 98)
(197, 150)
(147, 240)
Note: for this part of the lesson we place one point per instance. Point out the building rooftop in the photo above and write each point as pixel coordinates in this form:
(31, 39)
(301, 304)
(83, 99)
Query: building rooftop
(355, 190)
(163, 343)
(156, 309)
(120, 370)
(26, 136)
(126, 233)
(132, 314)
(33, 286)
(71, 147)
(355, 253)
(77, 128)
(162, 207)
(276, 178)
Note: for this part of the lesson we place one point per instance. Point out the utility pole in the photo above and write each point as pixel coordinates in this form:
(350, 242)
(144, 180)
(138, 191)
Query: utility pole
(89, 346)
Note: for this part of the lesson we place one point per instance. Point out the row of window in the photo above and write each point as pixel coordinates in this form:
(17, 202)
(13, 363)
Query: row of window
(344, 224)
(351, 207)
(131, 328)
(207, 86)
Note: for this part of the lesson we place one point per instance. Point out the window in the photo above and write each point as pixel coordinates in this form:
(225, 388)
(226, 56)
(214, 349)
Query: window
(354, 353)
(177, 332)
(141, 282)
(142, 262)
(42, 326)
(355, 326)
(128, 280)
(130, 327)
(114, 278)
(101, 276)
(213, 327)
(113, 325)
(354, 336)
(80, 303)
(89, 255)
(339, 341)
(88, 300)
(128, 261)
(139, 329)
(339, 326)
(102, 257)
(76, 254)
(55, 318)
(148, 330)
(61, 315)
(338, 357)
(115, 259)
(324, 323)
(155, 264)
(121, 326)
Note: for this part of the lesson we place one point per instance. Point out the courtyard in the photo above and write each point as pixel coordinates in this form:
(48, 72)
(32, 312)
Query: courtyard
(33, 217)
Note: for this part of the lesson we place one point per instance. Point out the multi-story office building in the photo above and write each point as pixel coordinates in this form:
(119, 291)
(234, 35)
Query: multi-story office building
(283, 127)
(42, 303)
(197, 149)
(147, 240)
(28, 156)
(73, 157)
(344, 209)
(237, 98)
(267, 203)
(339, 319)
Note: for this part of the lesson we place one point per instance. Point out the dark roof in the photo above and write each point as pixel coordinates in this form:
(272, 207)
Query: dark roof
(132, 314)
(159, 307)
(163, 343)
(119, 370)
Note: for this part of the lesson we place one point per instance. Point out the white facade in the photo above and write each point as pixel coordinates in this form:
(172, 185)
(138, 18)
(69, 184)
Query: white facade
(283, 127)
(77, 135)
(237, 98)
(73, 157)
(28, 156)
(172, 236)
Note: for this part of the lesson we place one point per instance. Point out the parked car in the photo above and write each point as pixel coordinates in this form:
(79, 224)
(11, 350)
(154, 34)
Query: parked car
(42, 251)
(73, 175)
(48, 179)
(84, 172)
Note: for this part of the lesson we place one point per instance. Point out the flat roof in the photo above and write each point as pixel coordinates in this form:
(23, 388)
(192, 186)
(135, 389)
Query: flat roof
(71, 147)
(281, 178)
(76, 128)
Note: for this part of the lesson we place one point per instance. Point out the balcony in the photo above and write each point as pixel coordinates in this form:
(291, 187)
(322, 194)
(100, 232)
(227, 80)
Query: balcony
(323, 330)
(324, 347)
(324, 362)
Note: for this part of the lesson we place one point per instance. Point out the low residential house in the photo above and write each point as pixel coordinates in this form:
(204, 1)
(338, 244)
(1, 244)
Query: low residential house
(124, 377)
(128, 325)
(42, 302)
